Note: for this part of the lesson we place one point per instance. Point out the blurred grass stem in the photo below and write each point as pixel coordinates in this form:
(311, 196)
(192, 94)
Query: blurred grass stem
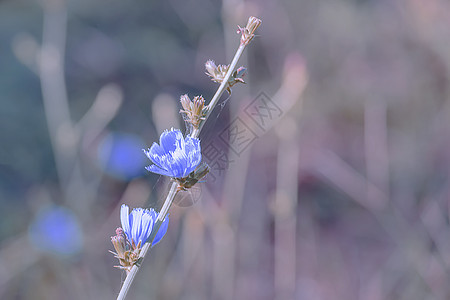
(54, 94)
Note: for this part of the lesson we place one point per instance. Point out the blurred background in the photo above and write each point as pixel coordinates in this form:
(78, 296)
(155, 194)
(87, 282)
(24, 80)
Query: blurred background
(330, 166)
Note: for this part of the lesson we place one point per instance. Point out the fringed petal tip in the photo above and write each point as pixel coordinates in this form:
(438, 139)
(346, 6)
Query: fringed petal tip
(157, 170)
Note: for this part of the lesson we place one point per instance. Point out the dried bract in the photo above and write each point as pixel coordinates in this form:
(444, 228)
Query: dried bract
(194, 177)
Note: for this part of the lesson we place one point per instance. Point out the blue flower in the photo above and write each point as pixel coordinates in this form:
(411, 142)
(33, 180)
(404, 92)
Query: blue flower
(175, 156)
(57, 230)
(139, 224)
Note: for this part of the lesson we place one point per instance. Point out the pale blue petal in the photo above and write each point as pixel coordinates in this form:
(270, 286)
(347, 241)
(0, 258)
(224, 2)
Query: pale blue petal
(192, 144)
(154, 153)
(179, 139)
(195, 159)
(175, 164)
(162, 231)
(194, 152)
(147, 226)
(136, 228)
(124, 219)
(169, 139)
(178, 171)
(153, 214)
(176, 156)
(179, 163)
(158, 170)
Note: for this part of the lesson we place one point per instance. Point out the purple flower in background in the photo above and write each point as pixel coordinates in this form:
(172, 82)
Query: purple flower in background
(175, 156)
(139, 225)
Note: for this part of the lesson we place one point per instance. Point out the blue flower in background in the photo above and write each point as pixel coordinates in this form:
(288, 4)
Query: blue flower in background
(139, 224)
(56, 230)
(175, 156)
(119, 155)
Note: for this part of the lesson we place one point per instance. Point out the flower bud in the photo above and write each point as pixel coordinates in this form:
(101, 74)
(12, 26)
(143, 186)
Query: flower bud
(247, 33)
(185, 102)
(120, 243)
(217, 73)
(193, 110)
(210, 67)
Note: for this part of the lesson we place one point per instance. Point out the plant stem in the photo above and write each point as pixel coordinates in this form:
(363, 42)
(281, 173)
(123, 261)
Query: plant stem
(221, 89)
(173, 189)
(161, 216)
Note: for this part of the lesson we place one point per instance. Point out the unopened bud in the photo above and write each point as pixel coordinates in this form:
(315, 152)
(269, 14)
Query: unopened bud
(248, 33)
(185, 102)
(210, 67)
(217, 73)
(119, 242)
(193, 111)
(127, 257)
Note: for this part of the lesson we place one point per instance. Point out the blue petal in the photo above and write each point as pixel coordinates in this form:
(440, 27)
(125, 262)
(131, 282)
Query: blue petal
(136, 228)
(154, 153)
(158, 170)
(175, 156)
(147, 226)
(169, 140)
(179, 162)
(162, 231)
(153, 214)
(193, 152)
(192, 144)
(125, 220)
(142, 225)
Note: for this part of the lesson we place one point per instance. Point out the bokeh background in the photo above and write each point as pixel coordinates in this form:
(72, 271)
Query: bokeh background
(343, 193)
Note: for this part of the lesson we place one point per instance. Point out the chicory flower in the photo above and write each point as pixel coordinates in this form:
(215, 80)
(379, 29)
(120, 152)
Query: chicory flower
(175, 156)
(139, 224)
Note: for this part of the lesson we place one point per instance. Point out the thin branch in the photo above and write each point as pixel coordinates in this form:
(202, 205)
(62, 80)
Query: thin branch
(221, 89)
(174, 186)
(162, 214)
